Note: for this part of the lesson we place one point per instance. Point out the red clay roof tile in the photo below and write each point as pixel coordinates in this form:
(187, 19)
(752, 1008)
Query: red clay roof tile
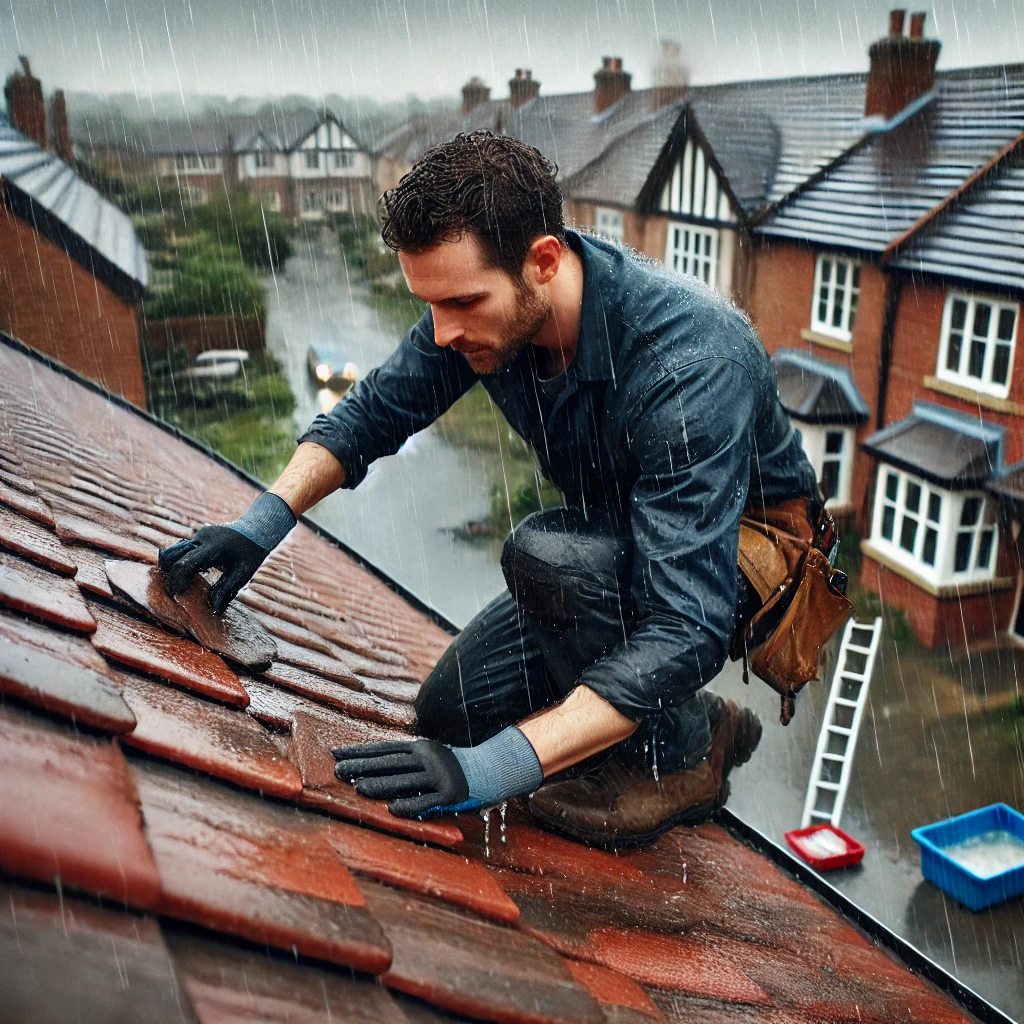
(24, 502)
(143, 586)
(68, 809)
(612, 989)
(223, 742)
(465, 883)
(335, 695)
(472, 967)
(148, 648)
(79, 529)
(27, 588)
(63, 960)
(236, 864)
(294, 634)
(60, 685)
(231, 985)
(31, 540)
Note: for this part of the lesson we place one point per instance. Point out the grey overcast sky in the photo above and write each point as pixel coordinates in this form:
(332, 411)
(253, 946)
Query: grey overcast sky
(387, 48)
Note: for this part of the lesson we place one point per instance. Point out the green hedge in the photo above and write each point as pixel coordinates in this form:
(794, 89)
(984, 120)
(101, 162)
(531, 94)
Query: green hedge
(209, 283)
(261, 236)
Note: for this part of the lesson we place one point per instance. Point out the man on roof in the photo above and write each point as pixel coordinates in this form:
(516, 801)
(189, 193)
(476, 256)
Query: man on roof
(652, 406)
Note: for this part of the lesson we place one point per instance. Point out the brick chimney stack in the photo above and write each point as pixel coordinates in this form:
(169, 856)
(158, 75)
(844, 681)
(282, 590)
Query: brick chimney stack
(25, 105)
(669, 76)
(611, 83)
(59, 127)
(902, 67)
(474, 92)
(522, 87)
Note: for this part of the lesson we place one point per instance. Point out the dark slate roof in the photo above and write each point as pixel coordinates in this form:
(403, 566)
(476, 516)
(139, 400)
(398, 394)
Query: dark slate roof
(817, 391)
(241, 880)
(946, 447)
(46, 192)
(980, 237)
(882, 187)
(213, 134)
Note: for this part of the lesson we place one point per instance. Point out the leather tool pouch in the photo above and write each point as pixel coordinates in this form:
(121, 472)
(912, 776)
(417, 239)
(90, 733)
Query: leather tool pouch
(784, 553)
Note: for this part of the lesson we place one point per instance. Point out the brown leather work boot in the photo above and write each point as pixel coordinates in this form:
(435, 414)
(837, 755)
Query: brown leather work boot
(617, 806)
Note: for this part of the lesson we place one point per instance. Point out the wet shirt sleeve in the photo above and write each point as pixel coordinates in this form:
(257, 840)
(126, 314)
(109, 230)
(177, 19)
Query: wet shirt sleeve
(692, 438)
(416, 384)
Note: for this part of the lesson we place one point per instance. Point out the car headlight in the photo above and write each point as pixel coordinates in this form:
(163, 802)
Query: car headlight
(351, 372)
(324, 372)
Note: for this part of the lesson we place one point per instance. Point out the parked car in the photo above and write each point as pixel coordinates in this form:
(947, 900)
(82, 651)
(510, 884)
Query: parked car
(328, 368)
(218, 364)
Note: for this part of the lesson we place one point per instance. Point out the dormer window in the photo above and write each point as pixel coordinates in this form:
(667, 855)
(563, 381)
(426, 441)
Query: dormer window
(836, 288)
(976, 348)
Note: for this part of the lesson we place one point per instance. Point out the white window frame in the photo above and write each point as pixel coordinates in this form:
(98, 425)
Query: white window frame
(829, 293)
(609, 223)
(263, 159)
(312, 159)
(815, 438)
(337, 199)
(313, 201)
(692, 250)
(917, 524)
(992, 342)
(196, 163)
(343, 161)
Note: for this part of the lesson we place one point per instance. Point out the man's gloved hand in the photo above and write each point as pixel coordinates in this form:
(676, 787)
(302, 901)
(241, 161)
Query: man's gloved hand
(422, 777)
(237, 549)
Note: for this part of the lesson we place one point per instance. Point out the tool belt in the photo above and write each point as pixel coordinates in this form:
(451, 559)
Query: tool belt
(785, 552)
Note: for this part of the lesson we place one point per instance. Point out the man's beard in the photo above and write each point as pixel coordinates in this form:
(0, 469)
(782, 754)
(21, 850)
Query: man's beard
(527, 319)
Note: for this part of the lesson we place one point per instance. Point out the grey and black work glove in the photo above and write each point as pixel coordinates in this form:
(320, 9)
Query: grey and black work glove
(237, 549)
(423, 777)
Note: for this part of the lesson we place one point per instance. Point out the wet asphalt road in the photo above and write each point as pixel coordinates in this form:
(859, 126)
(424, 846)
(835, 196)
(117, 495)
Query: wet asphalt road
(928, 746)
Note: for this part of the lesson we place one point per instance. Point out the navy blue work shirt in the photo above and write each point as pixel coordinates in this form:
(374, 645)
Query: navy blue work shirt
(668, 414)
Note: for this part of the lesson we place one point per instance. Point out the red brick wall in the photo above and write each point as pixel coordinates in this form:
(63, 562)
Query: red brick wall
(938, 621)
(50, 301)
(781, 293)
(915, 356)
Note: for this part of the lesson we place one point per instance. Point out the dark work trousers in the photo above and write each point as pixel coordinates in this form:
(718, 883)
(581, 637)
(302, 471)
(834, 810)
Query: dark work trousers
(568, 603)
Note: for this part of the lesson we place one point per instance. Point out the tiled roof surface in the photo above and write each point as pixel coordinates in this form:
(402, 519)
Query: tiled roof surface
(49, 194)
(816, 390)
(980, 236)
(871, 197)
(239, 880)
(209, 135)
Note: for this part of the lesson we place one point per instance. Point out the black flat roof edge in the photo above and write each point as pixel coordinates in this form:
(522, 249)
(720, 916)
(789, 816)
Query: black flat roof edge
(909, 955)
(364, 563)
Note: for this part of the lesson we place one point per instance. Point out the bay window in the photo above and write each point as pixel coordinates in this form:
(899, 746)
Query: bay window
(940, 535)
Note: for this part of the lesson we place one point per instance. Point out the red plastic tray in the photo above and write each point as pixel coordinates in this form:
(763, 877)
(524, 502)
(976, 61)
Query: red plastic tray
(854, 850)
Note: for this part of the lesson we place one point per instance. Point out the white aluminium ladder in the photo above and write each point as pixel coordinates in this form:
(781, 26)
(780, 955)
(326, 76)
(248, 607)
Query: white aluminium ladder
(830, 775)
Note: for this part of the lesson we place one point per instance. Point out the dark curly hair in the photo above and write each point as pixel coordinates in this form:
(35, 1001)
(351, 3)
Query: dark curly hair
(497, 187)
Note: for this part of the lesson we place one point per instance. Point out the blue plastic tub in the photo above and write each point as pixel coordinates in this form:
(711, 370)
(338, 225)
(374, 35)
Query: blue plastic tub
(973, 890)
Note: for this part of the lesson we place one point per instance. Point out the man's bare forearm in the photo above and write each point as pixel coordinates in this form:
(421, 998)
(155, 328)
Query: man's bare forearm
(582, 725)
(311, 475)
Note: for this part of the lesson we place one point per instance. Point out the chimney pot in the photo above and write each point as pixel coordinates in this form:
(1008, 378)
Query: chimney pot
(902, 68)
(474, 92)
(522, 88)
(25, 105)
(611, 83)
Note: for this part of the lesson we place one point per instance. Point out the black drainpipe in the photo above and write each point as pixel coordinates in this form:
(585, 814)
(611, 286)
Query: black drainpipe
(893, 289)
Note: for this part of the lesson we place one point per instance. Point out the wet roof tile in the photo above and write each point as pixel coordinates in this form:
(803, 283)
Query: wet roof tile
(621, 998)
(97, 534)
(62, 960)
(236, 864)
(232, 985)
(36, 674)
(68, 809)
(31, 540)
(472, 967)
(25, 502)
(27, 588)
(334, 695)
(224, 742)
(150, 649)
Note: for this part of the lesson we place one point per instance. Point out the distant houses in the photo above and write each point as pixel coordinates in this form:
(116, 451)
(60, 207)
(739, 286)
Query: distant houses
(872, 227)
(303, 164)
